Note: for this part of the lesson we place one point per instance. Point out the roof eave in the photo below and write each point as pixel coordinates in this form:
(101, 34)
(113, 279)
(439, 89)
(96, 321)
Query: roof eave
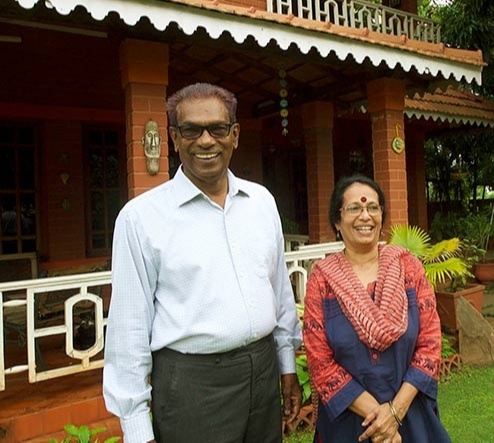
(264, 27)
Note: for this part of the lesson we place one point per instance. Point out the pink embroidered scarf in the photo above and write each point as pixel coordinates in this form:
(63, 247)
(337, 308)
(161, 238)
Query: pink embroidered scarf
(379, 322)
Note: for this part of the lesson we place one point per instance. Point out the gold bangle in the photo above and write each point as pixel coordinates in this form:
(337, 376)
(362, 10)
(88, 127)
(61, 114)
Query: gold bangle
(395, 415)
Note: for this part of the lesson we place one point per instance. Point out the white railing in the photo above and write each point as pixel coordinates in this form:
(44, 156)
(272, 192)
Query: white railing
(21, 303)
(294, 241)
(361, 14)
(300, 262)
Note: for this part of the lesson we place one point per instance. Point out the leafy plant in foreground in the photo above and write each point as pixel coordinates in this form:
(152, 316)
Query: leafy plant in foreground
(83, 434)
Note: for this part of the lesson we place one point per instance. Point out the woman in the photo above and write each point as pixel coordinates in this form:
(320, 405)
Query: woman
(371, 331)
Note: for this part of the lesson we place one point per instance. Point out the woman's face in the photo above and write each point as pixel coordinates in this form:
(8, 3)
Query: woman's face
(361, 217)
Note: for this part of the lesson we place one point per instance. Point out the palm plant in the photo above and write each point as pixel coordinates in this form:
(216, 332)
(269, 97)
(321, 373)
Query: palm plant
(443, 261)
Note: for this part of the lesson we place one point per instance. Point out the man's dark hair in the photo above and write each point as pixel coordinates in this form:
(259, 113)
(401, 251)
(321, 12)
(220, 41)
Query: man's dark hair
(200, 91)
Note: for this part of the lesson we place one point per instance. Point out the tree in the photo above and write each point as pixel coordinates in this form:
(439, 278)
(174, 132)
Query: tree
(467, 24)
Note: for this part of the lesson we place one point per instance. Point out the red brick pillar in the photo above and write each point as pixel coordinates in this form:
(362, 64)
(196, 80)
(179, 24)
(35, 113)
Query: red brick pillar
(318, 135)
(144, 70)
(386, 98)
(417, 201)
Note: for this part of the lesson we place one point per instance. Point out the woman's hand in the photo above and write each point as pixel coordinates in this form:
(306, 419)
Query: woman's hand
(382, 426)
(396, 438)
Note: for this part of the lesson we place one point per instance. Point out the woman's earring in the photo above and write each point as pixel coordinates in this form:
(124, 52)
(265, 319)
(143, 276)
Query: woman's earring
(338, 236)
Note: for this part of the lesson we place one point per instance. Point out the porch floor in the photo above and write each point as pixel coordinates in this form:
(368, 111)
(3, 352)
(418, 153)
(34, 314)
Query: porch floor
(37, 412)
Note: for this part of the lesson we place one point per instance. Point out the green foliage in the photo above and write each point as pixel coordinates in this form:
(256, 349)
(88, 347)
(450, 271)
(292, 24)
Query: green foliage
(83, 434)
(469, 24)
(466, 24)
(470, 155)
(447, 349)
(466, 405)
(303, 377)
(479, 228)
(305, 435)
(442, 261)
(301, 364)
(475, 229)
(289, 226)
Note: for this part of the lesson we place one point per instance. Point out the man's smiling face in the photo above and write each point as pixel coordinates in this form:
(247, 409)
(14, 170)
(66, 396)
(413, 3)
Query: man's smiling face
(205, 159)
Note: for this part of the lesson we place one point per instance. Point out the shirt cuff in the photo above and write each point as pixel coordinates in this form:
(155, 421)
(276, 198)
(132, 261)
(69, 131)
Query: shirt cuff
(138, 428)
(286, 362)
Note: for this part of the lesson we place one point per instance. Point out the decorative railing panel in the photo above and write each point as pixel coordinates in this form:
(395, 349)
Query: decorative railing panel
(31, 310)
(361, 14)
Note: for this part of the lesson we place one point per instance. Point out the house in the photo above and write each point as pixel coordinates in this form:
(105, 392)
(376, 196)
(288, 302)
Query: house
(324, 89)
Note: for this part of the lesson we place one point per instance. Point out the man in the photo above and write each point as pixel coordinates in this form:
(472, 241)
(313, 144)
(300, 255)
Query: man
(201, 299)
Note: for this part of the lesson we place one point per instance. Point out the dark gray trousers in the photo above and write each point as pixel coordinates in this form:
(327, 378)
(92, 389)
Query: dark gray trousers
(233, 397)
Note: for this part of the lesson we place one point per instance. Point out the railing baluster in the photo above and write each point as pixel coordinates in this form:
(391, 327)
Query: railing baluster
(304, 8)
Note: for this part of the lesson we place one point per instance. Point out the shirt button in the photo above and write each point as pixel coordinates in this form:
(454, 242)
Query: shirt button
(374, 355)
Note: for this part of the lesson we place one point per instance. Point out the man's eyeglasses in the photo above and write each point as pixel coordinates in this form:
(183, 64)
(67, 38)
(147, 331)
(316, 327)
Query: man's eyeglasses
(193, 132)
(372, 209)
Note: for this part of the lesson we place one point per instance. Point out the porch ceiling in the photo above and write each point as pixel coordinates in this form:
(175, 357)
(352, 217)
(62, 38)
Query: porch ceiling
(318, 66)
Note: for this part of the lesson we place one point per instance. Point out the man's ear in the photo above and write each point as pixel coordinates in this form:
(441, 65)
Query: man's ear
(236, 134)
(173, 135)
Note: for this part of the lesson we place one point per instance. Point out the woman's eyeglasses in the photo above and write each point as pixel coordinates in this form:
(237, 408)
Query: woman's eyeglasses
(193, 132)
(372, 209)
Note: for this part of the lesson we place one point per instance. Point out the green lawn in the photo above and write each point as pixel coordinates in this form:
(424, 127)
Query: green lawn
(466, 405)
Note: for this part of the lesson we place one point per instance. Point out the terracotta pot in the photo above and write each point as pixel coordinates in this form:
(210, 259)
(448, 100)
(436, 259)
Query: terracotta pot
(446, 303)
(484, 272)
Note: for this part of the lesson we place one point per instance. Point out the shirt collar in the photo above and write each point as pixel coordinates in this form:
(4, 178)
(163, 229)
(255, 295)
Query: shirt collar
(186, 191)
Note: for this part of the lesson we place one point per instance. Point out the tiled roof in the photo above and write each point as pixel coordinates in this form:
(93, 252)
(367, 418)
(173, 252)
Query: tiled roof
(453, 106)
(242, 22)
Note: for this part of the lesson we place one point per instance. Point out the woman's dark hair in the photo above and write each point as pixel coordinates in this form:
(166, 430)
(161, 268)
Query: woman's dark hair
(200, 91)
(336, 201)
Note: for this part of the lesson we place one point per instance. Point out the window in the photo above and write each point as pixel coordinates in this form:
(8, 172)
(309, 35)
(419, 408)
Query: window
(105, 186)
(17, 189)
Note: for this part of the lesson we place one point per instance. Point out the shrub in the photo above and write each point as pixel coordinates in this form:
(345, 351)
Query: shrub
(83, 434)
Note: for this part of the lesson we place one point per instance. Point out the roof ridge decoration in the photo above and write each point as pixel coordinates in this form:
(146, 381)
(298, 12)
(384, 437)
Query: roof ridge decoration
(243, 22)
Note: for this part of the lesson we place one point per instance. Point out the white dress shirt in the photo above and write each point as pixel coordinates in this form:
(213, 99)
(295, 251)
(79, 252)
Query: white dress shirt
(194, 277)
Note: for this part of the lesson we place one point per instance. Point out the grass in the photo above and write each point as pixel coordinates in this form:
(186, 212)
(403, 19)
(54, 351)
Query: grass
(466, 405)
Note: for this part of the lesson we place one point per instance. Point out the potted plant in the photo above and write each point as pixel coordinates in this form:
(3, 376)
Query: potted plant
(442, 261)
(447, 266)
(479, 229)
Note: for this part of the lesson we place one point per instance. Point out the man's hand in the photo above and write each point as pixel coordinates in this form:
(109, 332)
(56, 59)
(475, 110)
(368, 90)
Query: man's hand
(292, 397)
